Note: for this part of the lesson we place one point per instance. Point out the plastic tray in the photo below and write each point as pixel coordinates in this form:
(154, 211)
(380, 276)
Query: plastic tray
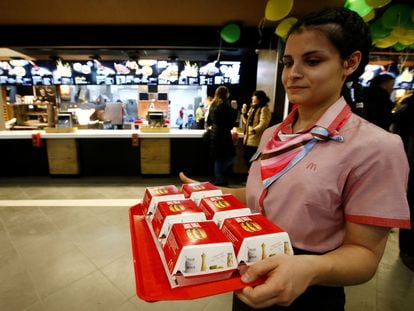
(151, 281)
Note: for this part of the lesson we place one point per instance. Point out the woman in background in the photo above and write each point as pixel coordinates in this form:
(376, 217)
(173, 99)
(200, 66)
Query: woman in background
(256, 120)
(220, 121)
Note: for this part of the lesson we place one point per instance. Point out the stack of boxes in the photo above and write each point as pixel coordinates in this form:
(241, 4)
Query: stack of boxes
(203, 235)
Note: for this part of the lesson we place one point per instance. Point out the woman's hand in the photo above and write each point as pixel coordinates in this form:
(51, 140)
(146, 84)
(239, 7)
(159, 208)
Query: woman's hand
(186, 180)
(286, 278)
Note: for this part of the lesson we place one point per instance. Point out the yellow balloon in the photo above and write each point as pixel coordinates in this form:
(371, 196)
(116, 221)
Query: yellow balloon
(278, 9)
(386, 42)
(377, 3)
(284, 26)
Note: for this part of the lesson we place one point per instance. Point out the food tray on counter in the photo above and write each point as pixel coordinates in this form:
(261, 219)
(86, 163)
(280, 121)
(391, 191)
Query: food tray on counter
(151, 281)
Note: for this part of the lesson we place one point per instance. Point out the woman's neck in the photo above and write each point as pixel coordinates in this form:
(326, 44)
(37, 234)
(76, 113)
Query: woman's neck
(308, 115)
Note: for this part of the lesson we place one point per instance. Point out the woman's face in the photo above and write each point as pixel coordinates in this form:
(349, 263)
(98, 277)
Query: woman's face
(313, 72)
(255, 100)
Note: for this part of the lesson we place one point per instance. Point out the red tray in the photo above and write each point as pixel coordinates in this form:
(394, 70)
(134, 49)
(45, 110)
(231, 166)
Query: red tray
(151, 282)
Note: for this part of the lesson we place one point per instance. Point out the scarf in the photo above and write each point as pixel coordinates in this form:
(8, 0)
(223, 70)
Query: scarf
(280, 155)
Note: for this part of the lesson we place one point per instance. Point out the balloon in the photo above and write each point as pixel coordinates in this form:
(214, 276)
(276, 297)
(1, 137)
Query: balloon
(377, 3)
(378, 30)
(399, 47)
(278, 9)
(386, 42)
(230, 33)
(370, 16)
(358, 6)
(284, 26)
(396, 15)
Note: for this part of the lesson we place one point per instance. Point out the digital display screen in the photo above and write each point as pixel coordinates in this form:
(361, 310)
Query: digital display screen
(136, 72)
(15, 72)
(62, 73)
(168, 72)
(42, 73)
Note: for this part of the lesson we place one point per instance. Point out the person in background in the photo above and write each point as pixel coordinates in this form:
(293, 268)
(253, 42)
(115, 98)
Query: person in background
(321, 174)
(200, 117)
(256, 120)
(180, 120)
(403, 125)
(377, 102)
(220, 121)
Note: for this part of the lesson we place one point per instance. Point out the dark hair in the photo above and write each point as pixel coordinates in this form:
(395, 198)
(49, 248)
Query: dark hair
(220, 95)
(262, 97)
(378, 80)
(345, 29)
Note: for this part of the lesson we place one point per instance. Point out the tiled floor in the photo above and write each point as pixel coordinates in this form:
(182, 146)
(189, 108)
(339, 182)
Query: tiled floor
(65, 245)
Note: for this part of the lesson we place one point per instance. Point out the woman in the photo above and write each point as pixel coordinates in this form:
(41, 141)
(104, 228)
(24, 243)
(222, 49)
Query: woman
(256, 120)
(321, 174)
(220, 121)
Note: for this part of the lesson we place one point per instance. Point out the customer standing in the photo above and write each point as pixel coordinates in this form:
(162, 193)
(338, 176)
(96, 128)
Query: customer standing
(220, 121)
(377, 100)
(256, 120)
(200, 115)
(321, 174)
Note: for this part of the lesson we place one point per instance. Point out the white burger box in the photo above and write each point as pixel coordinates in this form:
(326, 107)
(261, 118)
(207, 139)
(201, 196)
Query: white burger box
(197, 252)
(255, 238)
(168, 213)
(153, 195)
(218, 208)
(198, 190)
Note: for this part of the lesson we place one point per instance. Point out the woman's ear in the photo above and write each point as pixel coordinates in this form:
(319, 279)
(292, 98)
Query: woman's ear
(352, 62)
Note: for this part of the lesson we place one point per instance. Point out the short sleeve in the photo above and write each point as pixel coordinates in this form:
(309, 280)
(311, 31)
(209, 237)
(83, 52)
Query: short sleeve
(375, 191)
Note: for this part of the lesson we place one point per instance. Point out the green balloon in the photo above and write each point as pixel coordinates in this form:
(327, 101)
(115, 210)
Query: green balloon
(230, 33)
(358, 6)
(378, 31)
(399, 47)
(396, 15)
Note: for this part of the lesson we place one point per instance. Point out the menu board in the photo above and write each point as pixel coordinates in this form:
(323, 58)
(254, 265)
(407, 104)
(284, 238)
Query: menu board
(136, 72)
(229, 73)
(62, 73)
(133, 72)
(207, 73)
(188, 73)
(42, 73)
(15, 72)
(168, 72)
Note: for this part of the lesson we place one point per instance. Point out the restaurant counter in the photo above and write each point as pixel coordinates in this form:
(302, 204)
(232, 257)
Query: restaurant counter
(107, 153)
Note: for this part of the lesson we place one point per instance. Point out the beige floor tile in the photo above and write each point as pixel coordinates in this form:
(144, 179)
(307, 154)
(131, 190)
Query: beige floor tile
(17, 292)
(13, 216)
(57, 273)
(102, 251)
(12, 193)
(48, 248)
(33, 232)
(67, 217)
(121, 273)
(92, 293)
(38, 306)
(10, 263)
(361, 297)
(113, 215)
(127, 306)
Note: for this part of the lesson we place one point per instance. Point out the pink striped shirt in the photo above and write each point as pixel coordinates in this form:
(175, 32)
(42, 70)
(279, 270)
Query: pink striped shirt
(361, 180)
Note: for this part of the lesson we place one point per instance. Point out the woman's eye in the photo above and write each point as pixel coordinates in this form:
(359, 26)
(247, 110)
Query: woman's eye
(313, 62)
(287, 63)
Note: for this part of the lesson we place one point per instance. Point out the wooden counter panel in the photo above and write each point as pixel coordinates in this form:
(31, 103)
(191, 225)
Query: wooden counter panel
(155, 156)
(62, 156)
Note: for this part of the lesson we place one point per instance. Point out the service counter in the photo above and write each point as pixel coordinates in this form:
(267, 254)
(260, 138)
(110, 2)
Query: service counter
(107, 153)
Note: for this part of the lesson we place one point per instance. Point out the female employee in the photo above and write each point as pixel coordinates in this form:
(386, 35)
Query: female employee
(335, 182)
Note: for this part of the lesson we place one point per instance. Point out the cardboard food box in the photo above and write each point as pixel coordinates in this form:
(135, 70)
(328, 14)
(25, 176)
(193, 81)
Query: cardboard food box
(218, 208)
(198, 252)
(168, 213)
(153, 195)
(255, 237)
(197, 191)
